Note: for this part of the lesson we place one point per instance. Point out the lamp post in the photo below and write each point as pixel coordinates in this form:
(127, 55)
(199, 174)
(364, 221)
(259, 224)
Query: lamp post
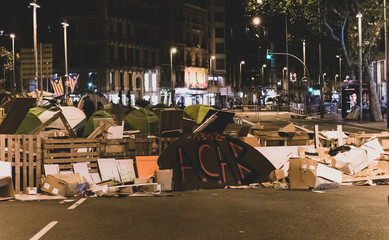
(65, 25)
(340, 68)
(256, 22)
(240, 74)
(386, 65)
(35, 6)
(359, 16)
(172, 82)
(210, 67)
(12, 36)
(336, 80)
(263, 75)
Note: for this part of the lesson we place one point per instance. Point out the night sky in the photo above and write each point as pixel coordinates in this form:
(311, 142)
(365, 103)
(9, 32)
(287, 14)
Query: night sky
(16, 17)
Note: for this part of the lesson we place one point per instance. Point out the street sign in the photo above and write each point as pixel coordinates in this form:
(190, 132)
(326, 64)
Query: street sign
(293, 77)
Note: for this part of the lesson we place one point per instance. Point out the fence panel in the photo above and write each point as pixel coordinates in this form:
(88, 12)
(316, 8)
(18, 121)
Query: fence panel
(24, 154)
(65, 152)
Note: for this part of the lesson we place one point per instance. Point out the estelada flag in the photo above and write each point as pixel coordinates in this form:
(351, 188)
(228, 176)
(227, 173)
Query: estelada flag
(57, 86)
(73, 81)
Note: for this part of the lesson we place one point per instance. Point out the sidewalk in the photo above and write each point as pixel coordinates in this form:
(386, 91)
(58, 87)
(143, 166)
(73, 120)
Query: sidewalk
(379, 126)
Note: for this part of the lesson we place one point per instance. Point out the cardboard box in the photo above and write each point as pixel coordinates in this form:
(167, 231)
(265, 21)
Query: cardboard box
(352, 161)
(252, 141)
(277, 175)
(165, 178)
(6, 188)
(307, 173)
(316, 152)
(62, 184)
(302, 173)
(384, 165)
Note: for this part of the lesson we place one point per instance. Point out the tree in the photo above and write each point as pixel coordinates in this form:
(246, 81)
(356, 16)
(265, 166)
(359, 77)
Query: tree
(315, 19)
(6, 65)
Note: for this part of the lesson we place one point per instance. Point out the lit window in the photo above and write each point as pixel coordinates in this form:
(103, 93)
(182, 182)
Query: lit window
(154, 99)
(154, 82)
(147, 83)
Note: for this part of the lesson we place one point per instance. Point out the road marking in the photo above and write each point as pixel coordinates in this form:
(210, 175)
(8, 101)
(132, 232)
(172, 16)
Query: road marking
(44, 230)
(77, 203)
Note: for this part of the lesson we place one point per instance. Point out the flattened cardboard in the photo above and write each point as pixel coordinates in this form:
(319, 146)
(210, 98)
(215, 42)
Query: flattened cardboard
(165, 179)
(83, 170)
(373, 149)
(6, 188)
(252, 141)
(51, 169)
(278, 156)
(384, 165)
(126, 170)
(5, 169)
(108, 169)
(16, 114)
(352, 161)
(277, 175)
(288, 128)
(146, 165)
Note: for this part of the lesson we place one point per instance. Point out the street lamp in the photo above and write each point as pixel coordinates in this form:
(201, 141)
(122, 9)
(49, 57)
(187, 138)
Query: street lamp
(35, 6)
(359, 16)
(12, 36)
(173, 50)
(263, 75)
(65, 25)
(256, 22)
(240, 74)
(340, 67)
(210, 66)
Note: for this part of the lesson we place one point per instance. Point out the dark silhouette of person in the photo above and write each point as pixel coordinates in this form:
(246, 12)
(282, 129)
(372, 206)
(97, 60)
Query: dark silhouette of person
(89, 107)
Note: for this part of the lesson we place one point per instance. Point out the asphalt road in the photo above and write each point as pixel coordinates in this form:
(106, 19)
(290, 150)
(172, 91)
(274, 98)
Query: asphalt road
(277, 120)
(350, 212)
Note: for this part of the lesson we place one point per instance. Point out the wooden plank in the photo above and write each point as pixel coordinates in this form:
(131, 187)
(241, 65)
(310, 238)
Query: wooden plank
(26, 165)
(74, 140)
(64, 160)
(69, 154)
(10, 148)
(2, 147)
(38, 161)
(70, 145)
(17, 163)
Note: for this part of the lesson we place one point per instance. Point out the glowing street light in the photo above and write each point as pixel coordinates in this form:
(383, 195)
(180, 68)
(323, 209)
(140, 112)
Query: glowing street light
(263, 75)
(359, 16)
(12, 36)
(173, 50)
(65, 25)
(240, 74)
(35, 6)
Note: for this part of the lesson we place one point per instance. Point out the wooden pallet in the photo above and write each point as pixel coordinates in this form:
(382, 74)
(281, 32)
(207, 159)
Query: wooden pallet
(25, 154)
(118, 148)
(165, 142)
(65, 152)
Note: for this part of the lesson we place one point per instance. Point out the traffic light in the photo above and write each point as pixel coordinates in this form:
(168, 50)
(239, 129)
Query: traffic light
(268, 54)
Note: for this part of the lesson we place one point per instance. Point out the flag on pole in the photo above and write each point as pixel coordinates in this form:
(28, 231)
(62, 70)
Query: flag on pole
(73, 81)
(57, 86)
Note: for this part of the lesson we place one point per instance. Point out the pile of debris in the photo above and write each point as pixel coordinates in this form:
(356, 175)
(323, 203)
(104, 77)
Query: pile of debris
(307, 167)
(114, 178)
